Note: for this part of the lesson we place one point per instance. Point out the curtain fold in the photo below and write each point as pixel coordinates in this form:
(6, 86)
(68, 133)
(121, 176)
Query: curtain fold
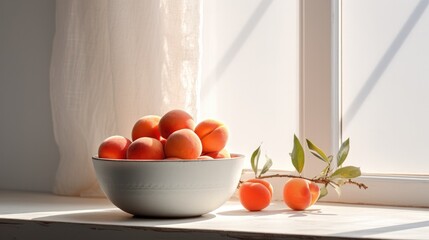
(113, 62)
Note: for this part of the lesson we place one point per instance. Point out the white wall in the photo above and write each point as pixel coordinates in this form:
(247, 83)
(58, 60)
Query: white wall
(250, 74)
(28, 153)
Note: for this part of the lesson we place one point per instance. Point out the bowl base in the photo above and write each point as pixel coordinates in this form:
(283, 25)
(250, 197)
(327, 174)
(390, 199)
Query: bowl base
(167, 217)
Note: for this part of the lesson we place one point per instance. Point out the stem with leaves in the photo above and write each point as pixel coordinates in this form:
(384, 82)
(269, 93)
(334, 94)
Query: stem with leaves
(254, 160)
(334, 177)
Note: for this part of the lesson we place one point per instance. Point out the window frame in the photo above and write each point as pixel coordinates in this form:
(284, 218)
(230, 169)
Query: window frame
(325, 130)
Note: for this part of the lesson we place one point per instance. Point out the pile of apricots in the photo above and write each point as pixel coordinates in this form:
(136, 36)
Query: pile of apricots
(298, 194)
(175, 135)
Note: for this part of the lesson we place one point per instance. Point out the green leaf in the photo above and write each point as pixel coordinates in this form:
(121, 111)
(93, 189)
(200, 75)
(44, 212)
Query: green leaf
(323, 192)
(254, 159)
(325, 171)
(341, 181)
(316, 151)
(267, 165)
(346, 172)
(336, 188)
(343, 152)
(297, 155)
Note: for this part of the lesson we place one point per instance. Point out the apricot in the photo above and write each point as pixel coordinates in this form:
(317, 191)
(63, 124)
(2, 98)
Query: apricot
(221, 154)
(146, 126)
(183, 143)
(213, 135)
(163, 141)
(114, 147)
(264, 182)
(145, 148)
(175, 120)
(299, 194)
(255, 194)
(315, 192)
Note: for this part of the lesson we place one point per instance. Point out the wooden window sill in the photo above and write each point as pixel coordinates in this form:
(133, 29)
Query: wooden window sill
(26, 215)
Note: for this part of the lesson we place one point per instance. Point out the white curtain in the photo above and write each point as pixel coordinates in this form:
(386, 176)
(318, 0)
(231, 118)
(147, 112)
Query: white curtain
(113, 62)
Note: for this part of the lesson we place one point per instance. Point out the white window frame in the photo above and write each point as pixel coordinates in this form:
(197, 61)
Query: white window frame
(320, 112)
(321, 71)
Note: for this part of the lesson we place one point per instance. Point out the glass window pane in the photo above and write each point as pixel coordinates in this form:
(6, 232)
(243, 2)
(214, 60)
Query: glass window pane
(250, 73)
(385, 84)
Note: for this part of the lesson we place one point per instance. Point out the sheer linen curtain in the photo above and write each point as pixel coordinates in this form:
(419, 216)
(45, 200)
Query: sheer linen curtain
(113, 62)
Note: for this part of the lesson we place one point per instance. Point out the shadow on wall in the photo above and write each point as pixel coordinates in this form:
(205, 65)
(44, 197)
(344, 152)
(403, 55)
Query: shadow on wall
(384, 62)
(235, 46)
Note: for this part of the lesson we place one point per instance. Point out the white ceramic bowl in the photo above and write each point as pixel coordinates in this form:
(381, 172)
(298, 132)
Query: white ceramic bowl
(169, 188)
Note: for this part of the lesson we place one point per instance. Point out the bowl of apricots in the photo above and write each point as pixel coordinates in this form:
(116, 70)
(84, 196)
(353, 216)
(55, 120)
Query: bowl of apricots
(171, 167)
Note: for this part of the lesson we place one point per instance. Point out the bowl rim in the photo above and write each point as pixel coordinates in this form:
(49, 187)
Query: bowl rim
(234, 156)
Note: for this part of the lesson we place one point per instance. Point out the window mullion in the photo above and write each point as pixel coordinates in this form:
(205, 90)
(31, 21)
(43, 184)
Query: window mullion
(316, 71)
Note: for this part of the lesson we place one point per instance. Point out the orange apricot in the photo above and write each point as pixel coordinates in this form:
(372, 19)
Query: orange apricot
(163, 141)
(255, 195)
(213, 135)
(264, 182)
(315, 192)
(145, 148)
(183, 143)
(296, 194)
(175, 120)
(221, 154)
(146, 126)
(114, 147)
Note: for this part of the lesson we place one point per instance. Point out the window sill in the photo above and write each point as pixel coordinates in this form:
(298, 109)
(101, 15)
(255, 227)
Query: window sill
(25, 215)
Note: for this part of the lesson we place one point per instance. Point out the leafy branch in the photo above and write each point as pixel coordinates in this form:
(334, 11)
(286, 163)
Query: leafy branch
(254, 161)
(329, 176)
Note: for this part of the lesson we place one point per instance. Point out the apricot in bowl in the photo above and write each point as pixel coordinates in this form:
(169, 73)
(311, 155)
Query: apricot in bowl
(169, 188)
